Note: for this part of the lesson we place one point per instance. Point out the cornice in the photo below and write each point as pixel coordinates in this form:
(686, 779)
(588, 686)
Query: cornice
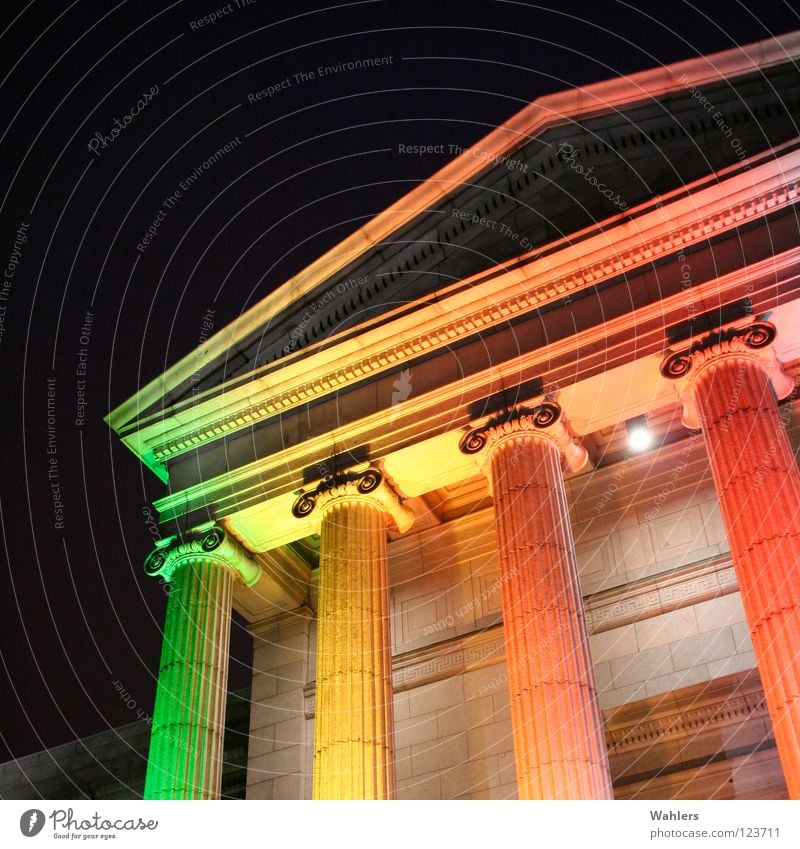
(734, 709)
(727, 205)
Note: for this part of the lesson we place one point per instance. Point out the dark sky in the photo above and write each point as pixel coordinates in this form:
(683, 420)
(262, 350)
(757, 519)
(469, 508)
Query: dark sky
(315, 160)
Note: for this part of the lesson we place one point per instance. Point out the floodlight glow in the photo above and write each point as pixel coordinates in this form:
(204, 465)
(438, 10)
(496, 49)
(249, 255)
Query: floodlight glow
(640, 438)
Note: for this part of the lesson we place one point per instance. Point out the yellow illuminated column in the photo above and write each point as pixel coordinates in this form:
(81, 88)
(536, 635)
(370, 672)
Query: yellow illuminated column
(353, 732)
(559, 744)
(728, 384)
(188, 727)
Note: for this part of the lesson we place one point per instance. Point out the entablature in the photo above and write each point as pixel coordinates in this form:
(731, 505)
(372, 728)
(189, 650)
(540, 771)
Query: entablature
(598, 303)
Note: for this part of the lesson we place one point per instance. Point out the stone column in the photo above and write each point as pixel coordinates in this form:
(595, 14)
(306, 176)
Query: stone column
(729, 381)
(353, 730)
(559, 744)
(186, 738)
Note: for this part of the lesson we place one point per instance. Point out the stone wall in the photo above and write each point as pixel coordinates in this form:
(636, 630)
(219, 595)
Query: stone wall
(280, 739)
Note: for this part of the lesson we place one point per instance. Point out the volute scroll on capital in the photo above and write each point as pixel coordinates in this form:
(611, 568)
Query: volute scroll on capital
(366, 485)
(214, 544)
(751, 342)
(544, 420)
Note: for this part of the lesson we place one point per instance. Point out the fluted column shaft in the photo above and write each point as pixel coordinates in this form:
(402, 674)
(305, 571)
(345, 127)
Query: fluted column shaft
(728, 382)
(758, 484)
(354, 731)
(354, 728)
(188, 728)
(559, 743)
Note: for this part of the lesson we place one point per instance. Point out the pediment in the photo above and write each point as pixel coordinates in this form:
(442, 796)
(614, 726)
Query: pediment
(530, 187)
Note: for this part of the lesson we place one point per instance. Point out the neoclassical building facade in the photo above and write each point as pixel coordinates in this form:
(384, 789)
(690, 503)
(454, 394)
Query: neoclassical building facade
(505, 484)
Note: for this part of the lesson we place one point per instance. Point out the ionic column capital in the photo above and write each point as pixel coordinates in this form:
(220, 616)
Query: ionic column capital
(367, 486)
(214, 545)
(735, 343)
(543, 421)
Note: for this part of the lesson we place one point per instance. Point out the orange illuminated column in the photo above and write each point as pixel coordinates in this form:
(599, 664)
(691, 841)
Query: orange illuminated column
(559, 744)
(729, 383)
(354, 728)
(188, 728)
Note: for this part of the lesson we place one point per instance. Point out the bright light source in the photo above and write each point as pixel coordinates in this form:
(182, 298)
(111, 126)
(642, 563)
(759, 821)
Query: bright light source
(640, 438)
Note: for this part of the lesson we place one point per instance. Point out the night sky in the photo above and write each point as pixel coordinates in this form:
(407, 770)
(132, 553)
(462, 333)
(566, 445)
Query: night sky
(107, 108)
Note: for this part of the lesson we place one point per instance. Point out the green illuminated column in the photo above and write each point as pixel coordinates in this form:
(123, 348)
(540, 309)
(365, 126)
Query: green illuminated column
(188, 727)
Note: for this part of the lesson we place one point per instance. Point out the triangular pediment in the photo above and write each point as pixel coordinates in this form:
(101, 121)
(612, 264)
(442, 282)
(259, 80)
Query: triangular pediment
(561, 165)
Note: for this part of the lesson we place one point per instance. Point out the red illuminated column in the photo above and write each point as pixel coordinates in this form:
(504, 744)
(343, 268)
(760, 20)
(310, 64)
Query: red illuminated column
(354, 728)
(729, 384)
(559, 744)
